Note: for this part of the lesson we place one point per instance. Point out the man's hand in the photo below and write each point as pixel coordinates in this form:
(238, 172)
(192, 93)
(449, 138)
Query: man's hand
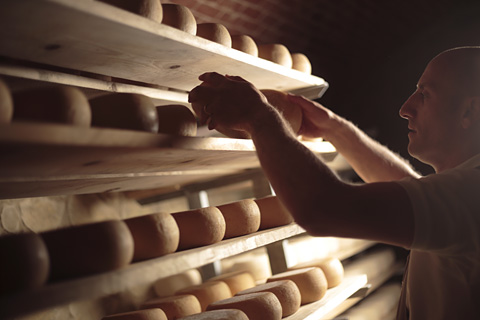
(228, 102)
(317, 120)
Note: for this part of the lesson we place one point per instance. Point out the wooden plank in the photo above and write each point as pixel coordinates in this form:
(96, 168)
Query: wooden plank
(137, 274)
(49, 159)
(161, 96)
(332, 299)
(99, 38)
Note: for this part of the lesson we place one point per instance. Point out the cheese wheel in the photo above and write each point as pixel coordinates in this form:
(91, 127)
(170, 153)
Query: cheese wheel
(124, 111)
(291, 112)
(286, 291)
(175, 307)
(215, 32)
(273, 213)
(236, 281)
(241, 218)
(301, 63)
(199, 227)
(257, 306)
(154, 235)
(169, 285)
(24, 262)
(310, 281)
(245, 44)
(208, 292)
(331, 267)
(58, 104)
(179, 17)
(227, 314)
(6, 103)
(147, 314)
(88, 249)
(176, 119)
(277, 53)
(151, 9)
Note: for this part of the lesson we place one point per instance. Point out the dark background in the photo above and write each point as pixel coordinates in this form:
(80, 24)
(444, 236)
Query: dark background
(371, 52)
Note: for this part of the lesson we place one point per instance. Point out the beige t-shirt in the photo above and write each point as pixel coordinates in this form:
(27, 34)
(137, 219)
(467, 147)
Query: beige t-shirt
(443, 279)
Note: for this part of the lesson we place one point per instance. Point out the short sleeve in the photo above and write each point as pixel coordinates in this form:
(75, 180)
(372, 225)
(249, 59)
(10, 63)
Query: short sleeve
(446, 210)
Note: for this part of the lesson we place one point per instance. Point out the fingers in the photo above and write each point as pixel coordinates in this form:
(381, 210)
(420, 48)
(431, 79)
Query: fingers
(212, 78)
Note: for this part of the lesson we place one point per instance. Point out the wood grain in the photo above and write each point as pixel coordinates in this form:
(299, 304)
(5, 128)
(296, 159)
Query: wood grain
(95, 37)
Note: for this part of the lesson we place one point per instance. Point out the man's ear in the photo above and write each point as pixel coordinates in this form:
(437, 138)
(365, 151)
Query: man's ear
(471, 112)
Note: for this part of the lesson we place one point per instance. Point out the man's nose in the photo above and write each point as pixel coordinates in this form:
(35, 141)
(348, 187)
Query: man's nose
(407, 109)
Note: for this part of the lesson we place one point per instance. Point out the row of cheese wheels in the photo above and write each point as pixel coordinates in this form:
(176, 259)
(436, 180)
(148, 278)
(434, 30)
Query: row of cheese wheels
(237, 296)
(69, 105)
(180, 17)
(130, 111)
(29, 260)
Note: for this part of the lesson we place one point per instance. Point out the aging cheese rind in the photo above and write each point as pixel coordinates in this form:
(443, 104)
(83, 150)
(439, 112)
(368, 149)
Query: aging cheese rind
(273, 213)
(147, 314)
(199, 227)
(175, 307)
(286, 291)
(179, 17)
(241, 217)
(208, 292)
(24, 262)
(310, 281)
(57, 104)
(154, 235)
(88, 249)
(257, 306)
(129, 111)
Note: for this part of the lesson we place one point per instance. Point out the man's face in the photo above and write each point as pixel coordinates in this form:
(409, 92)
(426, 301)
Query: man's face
(431, 114)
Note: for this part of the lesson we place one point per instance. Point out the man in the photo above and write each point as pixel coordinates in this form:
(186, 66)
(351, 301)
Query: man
(437, 217)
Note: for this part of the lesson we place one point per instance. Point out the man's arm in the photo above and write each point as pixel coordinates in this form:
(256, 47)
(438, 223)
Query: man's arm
(372, 161)
(318, 200)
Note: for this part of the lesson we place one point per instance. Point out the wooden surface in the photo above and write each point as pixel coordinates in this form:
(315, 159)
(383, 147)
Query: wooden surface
(98, 38)
(51, 159)
(332, 299)
(138, 273)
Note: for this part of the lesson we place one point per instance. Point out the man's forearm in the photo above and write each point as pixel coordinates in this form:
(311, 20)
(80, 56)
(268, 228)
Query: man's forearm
(372, 161)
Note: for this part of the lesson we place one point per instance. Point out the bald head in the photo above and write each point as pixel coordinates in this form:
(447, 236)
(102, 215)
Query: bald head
(462, 67)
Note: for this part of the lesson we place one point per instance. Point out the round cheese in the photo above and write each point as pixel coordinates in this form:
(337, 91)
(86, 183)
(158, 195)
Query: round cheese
(176, 119)
(215, 32)
(310, 281)
(301, 63)
(291, 112)
(245, 44)
(154, 235)
(88, 249)
(24, 262)
(124, 111)
(257, 306)
(175, 307)
(58, 104)
(147, 314)
(277, 53)
(208, 292)
(236, 281)
(179, 17)
(151, 9)
(272, 213)
(6, 103)
(241, 218)
(169, 285)
(227, 314)
(286, 291)
(199, 227)
(331, 267)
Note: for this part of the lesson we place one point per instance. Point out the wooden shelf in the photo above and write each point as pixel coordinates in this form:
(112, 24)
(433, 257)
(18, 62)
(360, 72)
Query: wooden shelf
(332, 299)
(95, 37)
(139, 273)
(49, 159)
